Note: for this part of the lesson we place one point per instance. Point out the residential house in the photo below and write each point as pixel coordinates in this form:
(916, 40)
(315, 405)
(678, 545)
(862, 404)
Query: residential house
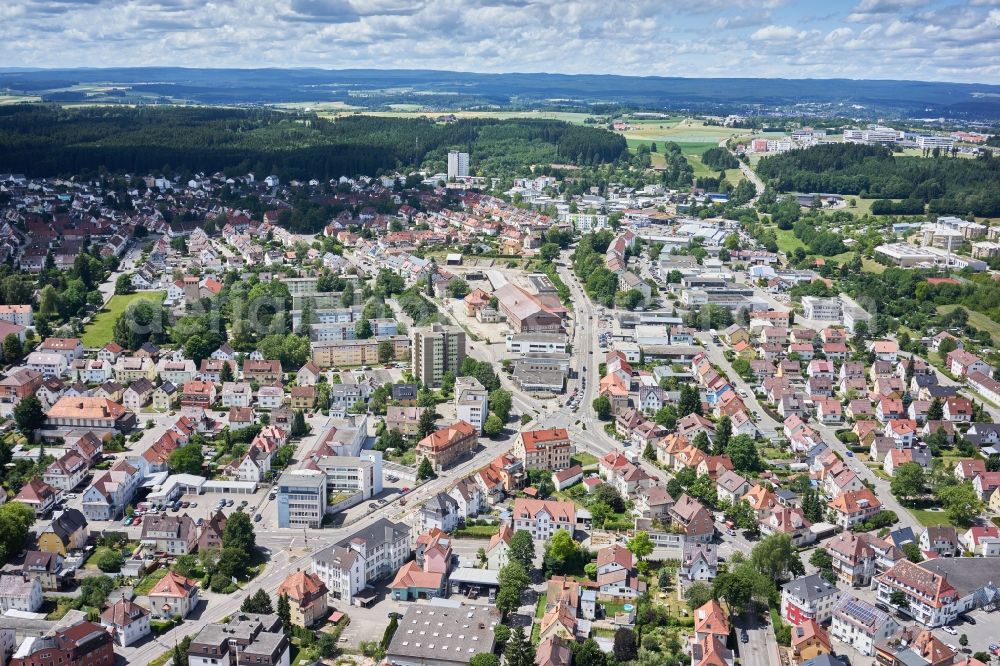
(693, 518)
(67, 472)
(860, 625)
(808, 598)
(446, 446)
(173, 595)
(38, 495)
(853, 507)
(307, 595)
(126, 621)
(543, 517)
(44, 566)
(699, 562)
(809, 640)
(67, 531)
(171, 534)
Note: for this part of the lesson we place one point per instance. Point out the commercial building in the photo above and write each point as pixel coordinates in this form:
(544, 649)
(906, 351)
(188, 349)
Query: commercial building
(97, 414)
(541, 343)
(527, 313)
(441, 635)
(814, 307)
(437, 349)
(302, 499)
(912, 256)
(472, 402)
(352, 474)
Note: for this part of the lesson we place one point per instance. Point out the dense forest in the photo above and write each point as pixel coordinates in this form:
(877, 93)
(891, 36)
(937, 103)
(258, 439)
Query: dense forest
(955, 185)
(47, 140)
(719, 159)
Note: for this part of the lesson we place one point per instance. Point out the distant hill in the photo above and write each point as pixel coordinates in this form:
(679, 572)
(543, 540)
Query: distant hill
(454, 90)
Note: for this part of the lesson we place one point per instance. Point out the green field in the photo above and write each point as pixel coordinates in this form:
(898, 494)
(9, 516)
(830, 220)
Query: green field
(100, 331)
(977, 319)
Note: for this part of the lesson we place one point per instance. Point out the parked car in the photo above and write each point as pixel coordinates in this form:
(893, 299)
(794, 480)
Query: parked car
(744, 637)
(257, 518)
(949, 630)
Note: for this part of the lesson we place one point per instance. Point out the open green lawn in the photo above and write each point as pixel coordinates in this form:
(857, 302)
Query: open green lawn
(100, 331)
(929, 518)
(583, 459)
(977, 319)
(787, 242)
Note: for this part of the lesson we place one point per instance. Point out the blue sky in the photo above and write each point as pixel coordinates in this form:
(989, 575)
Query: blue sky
(890, 39)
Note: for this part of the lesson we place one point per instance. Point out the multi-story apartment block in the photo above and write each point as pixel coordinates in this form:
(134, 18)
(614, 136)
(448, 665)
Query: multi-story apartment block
(548, 449)
(808, 598)
(437, 349)
(472, 402)
(543, 517)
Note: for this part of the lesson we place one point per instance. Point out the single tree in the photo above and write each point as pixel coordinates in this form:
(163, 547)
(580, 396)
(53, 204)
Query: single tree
(519, 651)
(226, 374)
(625, 648)
(522, 548)
(259, 602)
(426, 424)
(186, 459)
(602, 407)
(12, 348)
(426, 470)
(908, 481)
(29, 415)
(493, 425)
(935, 412)
(697, 595)
(285, 614)
(723, 431)
(641, 545)
(913, 552)
(513, 579)
(239, 533)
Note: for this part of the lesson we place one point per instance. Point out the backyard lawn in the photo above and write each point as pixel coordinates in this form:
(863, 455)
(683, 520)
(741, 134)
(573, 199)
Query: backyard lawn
(583, 459)
(100, 331)
(147, 582)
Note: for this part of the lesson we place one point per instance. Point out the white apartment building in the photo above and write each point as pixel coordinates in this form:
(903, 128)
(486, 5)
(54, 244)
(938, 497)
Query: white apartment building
(472, 402)
(458, 165)
(586, 222)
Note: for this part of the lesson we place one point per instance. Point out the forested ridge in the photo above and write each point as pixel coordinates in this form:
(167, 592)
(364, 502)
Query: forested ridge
(47, 140)
(956, 185)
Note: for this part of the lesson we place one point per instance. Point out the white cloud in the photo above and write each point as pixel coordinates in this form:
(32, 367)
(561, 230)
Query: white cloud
(777, 33)
(890, 38)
